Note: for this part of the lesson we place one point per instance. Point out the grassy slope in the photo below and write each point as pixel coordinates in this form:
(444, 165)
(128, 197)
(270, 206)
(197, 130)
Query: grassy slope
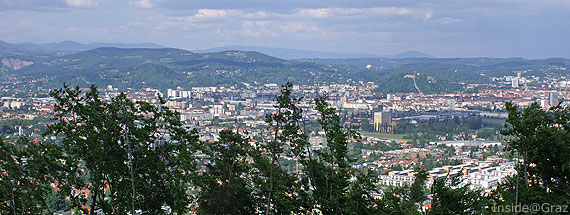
(384, 135)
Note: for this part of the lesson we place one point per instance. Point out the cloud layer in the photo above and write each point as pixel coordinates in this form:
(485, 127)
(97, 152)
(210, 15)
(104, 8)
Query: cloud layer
(528, 28)
(145, 4)
(46, 5)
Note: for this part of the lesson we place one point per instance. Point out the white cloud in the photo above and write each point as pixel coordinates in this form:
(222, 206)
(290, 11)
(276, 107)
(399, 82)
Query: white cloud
(298, 23)
(428, 15)
(81, 3)
(323, 13)
(264, 28)
(203, 15)
(447, 20)
(315, 14)
(218, 15)
(145, 4)
(209, 14)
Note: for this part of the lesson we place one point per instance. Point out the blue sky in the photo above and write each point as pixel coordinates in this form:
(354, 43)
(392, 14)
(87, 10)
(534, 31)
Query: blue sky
(443, 28)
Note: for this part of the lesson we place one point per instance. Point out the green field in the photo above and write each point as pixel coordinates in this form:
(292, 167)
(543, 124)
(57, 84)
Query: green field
(384, 135)
(495, 121)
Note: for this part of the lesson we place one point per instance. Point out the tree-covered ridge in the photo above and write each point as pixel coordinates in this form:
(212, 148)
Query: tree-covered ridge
(161, 68)
(417, 83)
(168, 67)
(468, 70)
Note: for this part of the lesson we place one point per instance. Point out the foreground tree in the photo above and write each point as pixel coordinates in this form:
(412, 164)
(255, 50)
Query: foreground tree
(26, 171)
(336, 187)
(451, 196)
(541, 139)
(227, 186)
(407, 199)
(122, 156)
(279, 188)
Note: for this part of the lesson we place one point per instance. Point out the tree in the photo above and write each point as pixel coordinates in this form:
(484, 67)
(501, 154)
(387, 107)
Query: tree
(228, 187)
(26, 171)
(542, 138)
(359, 197)
(336, 187)
(126, 155)
(396, 201)
(407, 199)
(332, 170)
(417, 189)
(366, 126)
(451, 196)
(281, 190)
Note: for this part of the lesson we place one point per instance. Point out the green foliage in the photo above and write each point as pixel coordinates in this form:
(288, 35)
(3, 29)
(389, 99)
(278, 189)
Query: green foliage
(467, 70)
(509, 193)
(408, 199)
(280, 190)
(8, 127)
(126, 155)
(542, 139)
(447, 127)
(394, 203)
(450, 196)
(227, 185)
(359, 199)
(26, 172)
(417, 194)
(330, 173)
(398, 83)
(56, 201)
(168, 68)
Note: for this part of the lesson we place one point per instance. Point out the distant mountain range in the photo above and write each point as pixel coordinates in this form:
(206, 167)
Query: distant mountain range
(409, 54)
(290, 54)
(72, 46)
(68, 47)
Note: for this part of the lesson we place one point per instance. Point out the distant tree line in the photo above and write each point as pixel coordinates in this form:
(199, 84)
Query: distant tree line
(447, 127)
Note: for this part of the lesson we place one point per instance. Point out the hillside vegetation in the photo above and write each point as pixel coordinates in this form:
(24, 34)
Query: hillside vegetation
(168, 68)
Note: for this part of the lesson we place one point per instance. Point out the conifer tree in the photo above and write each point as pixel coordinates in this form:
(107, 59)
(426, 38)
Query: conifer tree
(279, 187)
(336, 187)
(228, 187)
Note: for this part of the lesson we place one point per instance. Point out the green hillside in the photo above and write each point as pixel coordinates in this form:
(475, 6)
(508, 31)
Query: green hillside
(404, 83)
(468, 70)
(173, 67)
(168, 67)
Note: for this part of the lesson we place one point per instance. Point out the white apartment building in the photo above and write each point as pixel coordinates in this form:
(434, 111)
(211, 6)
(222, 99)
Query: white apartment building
(398, 178)
(481, 175)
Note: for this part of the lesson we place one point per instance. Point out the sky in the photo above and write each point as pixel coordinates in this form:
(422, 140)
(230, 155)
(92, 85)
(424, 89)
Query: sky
(442, 28)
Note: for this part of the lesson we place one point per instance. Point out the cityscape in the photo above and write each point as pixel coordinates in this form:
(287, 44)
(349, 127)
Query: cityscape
(121, 127)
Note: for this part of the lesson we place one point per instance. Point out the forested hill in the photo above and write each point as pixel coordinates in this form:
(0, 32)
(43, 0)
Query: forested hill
(172, 67)
(468, 70)
(417, 83)
(168, 67)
